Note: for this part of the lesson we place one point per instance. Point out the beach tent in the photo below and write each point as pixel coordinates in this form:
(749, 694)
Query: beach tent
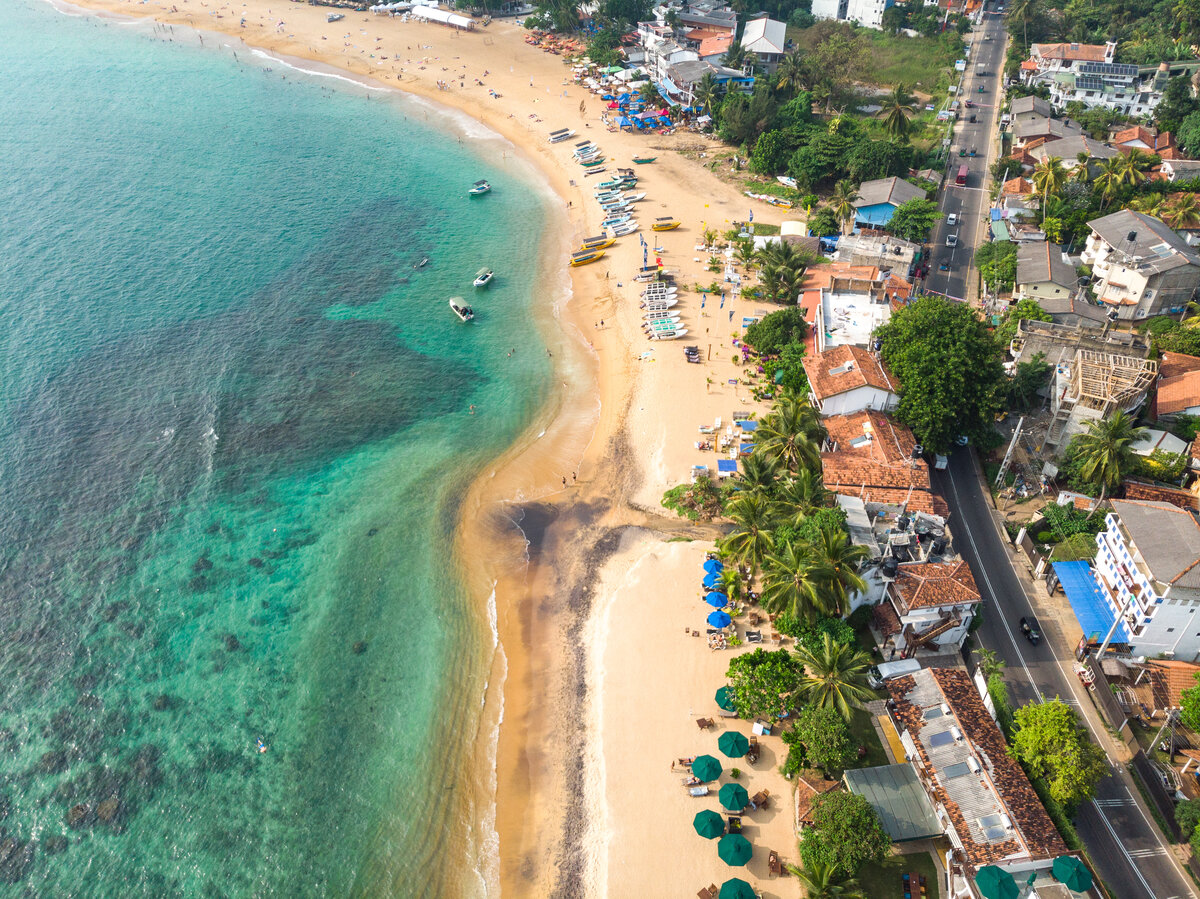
(733, 744)
(724, 700)
(711, 580)
(433, 14)
(734, 849)
(734, 797)
(1072, 873)
(709, 824)
(612, 70)
(719, 619)
(713, 566)
(736, 888)
(995, 883)
(706, 768)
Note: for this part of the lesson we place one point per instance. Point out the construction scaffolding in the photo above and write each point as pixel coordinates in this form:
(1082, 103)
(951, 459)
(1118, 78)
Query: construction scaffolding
(1106, 381)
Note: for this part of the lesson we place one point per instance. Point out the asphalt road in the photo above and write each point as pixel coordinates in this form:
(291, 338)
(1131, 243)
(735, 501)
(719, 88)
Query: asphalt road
(970, 203)
(1126, 846)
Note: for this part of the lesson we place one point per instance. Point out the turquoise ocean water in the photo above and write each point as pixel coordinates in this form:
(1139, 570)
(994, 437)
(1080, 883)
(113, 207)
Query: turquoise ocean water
(234, 433)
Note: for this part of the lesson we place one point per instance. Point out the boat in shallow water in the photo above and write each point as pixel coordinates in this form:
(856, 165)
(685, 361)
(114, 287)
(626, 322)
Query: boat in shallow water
(483, 277)
(464, 312)
(479, 188)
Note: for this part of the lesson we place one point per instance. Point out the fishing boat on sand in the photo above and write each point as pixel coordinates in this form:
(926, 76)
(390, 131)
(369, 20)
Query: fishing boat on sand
(656, 305)
(464, 312)
(562, 134)
(665, 224)
(483, 277)
(597, 243)
(583, 257)
(479, 188)
(644, 160)
(334, 17)
(625, 228)
(599, 160)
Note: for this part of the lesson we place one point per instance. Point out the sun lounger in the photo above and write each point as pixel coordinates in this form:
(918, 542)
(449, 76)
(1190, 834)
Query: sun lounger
(774, 865)
(698, 791)
(709, 892)
(691, 781)
(753, 636)
(704, 723)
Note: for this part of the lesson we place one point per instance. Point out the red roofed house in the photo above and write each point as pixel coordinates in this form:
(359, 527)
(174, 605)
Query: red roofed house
(872, 457)
(1178, 386)
(848, 378)
(980, 796)
(1149, 140)
(935, 602)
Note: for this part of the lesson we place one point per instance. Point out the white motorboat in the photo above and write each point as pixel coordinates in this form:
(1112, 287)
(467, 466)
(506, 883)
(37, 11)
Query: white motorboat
(463, 311)
(660, 315)
(483, 277)
(334, 17)
(562, 134)
(479, 188)
(649, 305)
(668, 335)
(615, 220)
(625, 228)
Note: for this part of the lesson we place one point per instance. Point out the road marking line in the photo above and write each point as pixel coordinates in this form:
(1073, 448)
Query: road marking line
(1120, 845)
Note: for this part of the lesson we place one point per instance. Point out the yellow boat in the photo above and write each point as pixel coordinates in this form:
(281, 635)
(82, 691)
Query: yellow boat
(585, 256)
(597, 243)
(665, 224)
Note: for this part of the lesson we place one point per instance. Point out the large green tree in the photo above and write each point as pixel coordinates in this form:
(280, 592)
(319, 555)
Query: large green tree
(825, 738)
(1189, 701)
(836, 566)
(1051, 743)
(1105, 451)
(949, 369)
(845, 832)
(762, 681)
(914, 220)
(750, 540)
(997, 263)
(897, 113)
(835, 677)
(792, 434)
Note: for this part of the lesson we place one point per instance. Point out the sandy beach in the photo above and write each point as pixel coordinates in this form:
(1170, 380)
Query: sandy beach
(595, 680)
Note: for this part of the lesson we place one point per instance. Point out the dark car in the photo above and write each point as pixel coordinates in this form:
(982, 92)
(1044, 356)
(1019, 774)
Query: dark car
(972, 118)
(1031, 629)
(972, 152)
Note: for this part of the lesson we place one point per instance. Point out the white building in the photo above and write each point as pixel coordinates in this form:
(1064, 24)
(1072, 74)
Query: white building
(845, 379)
(1140, 266)
(867, 13)
(829, 9)
(766, 40)
(1148, 568)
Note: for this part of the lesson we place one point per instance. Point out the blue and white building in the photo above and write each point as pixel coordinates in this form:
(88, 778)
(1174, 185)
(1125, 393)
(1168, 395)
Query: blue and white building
(878, 199)
(1148, 570)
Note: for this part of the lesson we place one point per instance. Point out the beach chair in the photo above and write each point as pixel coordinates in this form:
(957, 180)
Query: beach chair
(774, 865)
(704, 723)
(698, 791)
(752, 752)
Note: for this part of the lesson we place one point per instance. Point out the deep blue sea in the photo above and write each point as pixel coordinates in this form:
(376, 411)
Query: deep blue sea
(235, 430)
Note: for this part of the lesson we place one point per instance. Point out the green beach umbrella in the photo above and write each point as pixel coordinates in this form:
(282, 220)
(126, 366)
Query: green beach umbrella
(734, 849)
(996, 883)
(735, 888)
(734, 797)
(706, 768)
(709, 824)
(725, 700)
(733, 744)
(1072, 873)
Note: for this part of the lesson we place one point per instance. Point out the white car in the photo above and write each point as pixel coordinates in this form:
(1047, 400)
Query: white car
(952, 240)
(952, 219)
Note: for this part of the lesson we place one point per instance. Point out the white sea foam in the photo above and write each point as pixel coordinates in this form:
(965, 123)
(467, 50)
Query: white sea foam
(297, 66)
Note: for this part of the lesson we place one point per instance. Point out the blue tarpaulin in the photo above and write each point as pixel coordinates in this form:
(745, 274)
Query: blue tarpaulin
(1091, 609)
(747, 424)
(727, 465)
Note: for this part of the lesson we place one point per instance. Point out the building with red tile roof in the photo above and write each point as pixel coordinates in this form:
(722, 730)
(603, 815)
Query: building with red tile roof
(987, 806)
(869, 455)
(847, 378)
(934, 602)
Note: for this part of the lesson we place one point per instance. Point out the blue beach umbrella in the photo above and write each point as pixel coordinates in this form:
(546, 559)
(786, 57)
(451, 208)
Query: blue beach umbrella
(719, 619)
(712, 579)
(713, 566)
(717, 600)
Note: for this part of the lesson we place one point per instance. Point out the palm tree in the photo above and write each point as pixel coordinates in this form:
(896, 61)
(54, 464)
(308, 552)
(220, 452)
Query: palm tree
(1181, 210)
(706, 93)
(790, 73)
(745, 254)
(1151, 204)
(1049, 176)
(759, 473)
(823, 881)
(835, 570)
(1083, 161)
(792, 434)
(648, 92)
(989, 661)
(1023, 10)
(896, 112)
(786, 586)
(1135, 165)
(798, 495)
(835, 677)
(1108, 181)
(842, 202)
(731, 584)
(735, 56)
(1104, 451)
(751, 538)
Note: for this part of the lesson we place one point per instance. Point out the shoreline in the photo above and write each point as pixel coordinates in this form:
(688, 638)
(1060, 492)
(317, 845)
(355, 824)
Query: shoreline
(614, 419)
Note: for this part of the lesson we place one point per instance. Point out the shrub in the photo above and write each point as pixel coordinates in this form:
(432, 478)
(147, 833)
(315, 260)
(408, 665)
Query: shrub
(700, 500)
(1044, 537)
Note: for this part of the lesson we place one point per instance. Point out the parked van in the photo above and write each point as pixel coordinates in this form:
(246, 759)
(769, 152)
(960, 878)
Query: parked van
(885, 671)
